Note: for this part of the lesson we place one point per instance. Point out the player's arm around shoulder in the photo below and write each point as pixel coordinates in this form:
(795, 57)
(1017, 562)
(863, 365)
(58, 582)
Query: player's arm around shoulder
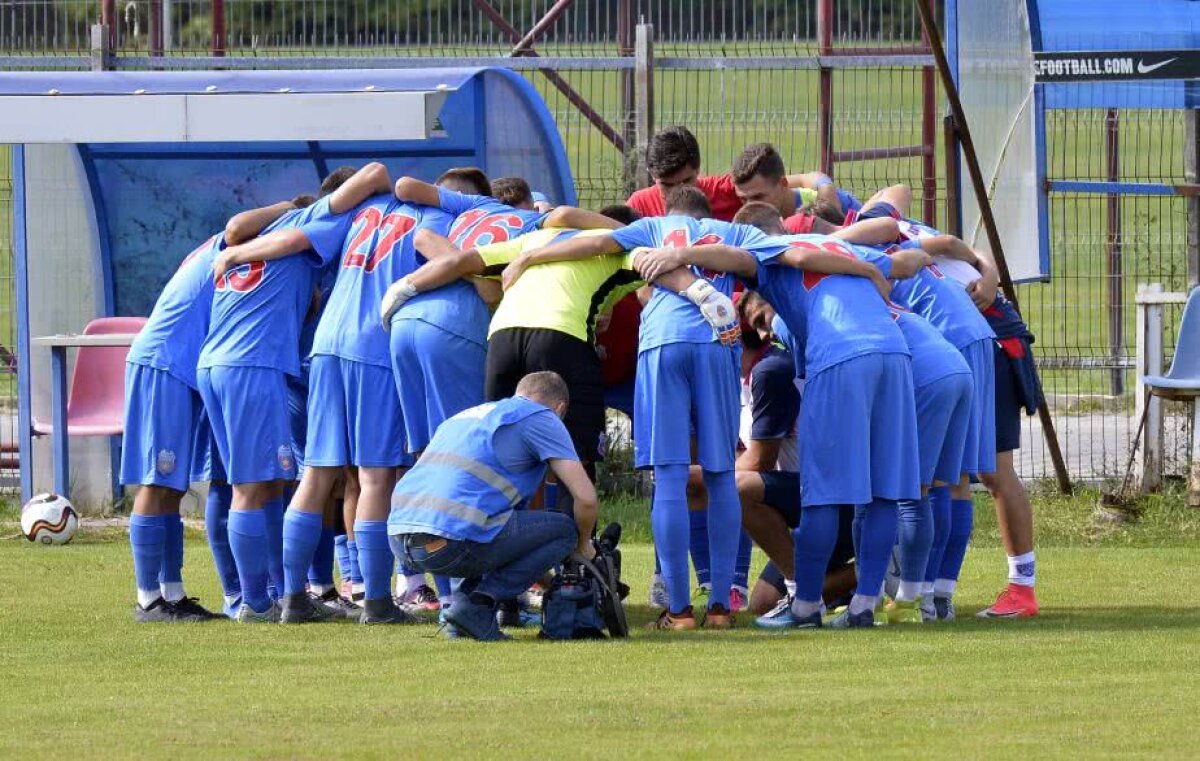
(248, 224)
(412, 190)
(371, 180)
(274, 245)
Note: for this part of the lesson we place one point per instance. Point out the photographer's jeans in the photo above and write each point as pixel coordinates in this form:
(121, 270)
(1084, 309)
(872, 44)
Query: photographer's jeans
(529, 544)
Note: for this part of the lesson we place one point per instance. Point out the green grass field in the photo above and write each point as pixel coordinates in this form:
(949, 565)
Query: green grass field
(1109, 669)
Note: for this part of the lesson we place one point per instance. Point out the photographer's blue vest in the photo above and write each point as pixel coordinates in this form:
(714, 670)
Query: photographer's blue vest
(459, 489)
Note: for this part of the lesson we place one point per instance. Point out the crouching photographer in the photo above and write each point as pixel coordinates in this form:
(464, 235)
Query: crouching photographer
(460, 511)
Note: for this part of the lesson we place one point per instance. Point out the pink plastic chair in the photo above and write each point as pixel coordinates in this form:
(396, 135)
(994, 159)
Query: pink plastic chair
(96, 402)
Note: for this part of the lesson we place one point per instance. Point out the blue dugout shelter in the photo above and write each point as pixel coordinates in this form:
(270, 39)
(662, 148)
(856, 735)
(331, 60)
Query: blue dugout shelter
(119, 174)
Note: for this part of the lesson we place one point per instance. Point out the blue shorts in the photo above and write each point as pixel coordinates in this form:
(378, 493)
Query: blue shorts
(943, 417)
(781, 491)
(160, 418)
(1009, 409)
(858, 432)
(297, 393)
(878, 210)
(353, 415)
(684, 387)
(206, 460)
(247, 410)
(438, 375)
(979, 453)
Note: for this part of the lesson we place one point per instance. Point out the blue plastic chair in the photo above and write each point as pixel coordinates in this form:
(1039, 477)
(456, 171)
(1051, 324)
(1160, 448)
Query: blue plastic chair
(1182, 382)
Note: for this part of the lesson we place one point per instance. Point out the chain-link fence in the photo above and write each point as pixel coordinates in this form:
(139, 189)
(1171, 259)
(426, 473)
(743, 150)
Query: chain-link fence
(842, 84)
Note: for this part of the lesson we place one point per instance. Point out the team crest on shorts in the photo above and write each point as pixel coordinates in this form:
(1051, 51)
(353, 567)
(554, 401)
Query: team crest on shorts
(284, 456)
(165, 462)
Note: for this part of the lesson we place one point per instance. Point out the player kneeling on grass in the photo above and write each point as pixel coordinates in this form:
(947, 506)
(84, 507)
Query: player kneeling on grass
(459, 511)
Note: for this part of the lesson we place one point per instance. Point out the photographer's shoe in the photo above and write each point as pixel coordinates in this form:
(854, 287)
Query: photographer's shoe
(475, 620)
(718, 617)
(682, 621)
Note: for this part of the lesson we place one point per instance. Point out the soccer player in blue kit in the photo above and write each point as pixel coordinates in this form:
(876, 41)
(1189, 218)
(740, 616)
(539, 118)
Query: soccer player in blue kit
(252, 346)
(162, 411)
(858, 420)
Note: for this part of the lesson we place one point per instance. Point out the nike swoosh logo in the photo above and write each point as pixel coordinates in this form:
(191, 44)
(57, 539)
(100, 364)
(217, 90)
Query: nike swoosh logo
(1144, 69)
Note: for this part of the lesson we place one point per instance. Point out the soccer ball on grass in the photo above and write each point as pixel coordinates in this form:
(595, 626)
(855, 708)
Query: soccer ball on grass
(49, 519)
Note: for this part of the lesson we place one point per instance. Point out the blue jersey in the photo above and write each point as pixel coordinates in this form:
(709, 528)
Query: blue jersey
(833, 317)
(258, 308)
(910, 229)
(173, 335)
(668, 317)
(943, 302)
(933, 357)
(785, 336)
(376, 251)
(455, 307)
(479, 220)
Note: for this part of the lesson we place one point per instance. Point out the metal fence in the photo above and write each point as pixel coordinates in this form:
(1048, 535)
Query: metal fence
(844, 85)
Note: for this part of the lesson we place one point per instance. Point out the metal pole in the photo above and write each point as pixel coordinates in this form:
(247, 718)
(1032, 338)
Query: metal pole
(1191, 175)
(108, 19)
(929, 22)
(156, 27)
(928, 138)
(825, 114)
(1115, 274)
(218, 28)
(101, 47)
(167, 21)
(950, 138)
(541, 26)
(644, 100)
(628, 98)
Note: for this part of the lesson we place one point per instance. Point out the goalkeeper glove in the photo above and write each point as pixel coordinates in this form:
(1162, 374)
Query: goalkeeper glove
(400, 291)
(717, 310)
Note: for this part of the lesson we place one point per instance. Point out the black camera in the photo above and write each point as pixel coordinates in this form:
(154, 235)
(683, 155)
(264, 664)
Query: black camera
(585, 597)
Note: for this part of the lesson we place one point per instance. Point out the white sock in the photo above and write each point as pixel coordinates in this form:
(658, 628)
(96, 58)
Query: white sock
(358, 589)
(319, 589)
(230, 600)
(908, 590)
(859, 603)
(412, 582)
(944, 587)
(145, 597)
(803, 608)
(790, 585)
(927, 589)
(1022, 569)
(172, 591)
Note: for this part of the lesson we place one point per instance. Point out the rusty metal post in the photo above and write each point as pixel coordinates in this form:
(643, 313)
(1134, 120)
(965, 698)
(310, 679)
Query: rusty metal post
(108, 19)
(929, 21)
(625, 41)
(929, 138)
(1115, 274)
(644, 100)
(825, 112)
(544, 23)
(156, 27)
(218, 28)
(950, 140)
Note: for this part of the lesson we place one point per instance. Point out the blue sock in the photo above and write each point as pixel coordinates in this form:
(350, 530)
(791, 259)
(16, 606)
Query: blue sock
(374, 557)
(939, 506)
(741, 572)
(356, 577)
(915, 538)
(171, 570)
(146, 538)
(698, 546)
(301, 535)
(216, 525)
(669, 520)
(444, 588)
(814, 540)
(962, 523)
(273, 512)
(321, 570)
(341, 553)
(248, 542)
(878, 536)
(724, 533)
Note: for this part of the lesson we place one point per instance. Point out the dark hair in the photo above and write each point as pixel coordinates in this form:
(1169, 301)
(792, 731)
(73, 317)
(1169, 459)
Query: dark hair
(466, 179)
(626, 215)
(512, 191)
(764, 216)
(303, 200)
(544, 386)
(828, 212)
(671, 150)
(336, 179)
(688, 199)
(758, 160)
(747, 300)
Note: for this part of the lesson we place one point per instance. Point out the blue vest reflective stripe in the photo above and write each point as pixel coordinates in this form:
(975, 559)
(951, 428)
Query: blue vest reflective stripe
(459, 489)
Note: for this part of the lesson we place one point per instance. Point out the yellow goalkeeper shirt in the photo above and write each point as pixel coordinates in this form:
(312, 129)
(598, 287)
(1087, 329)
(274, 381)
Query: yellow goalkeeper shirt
(562, 296)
